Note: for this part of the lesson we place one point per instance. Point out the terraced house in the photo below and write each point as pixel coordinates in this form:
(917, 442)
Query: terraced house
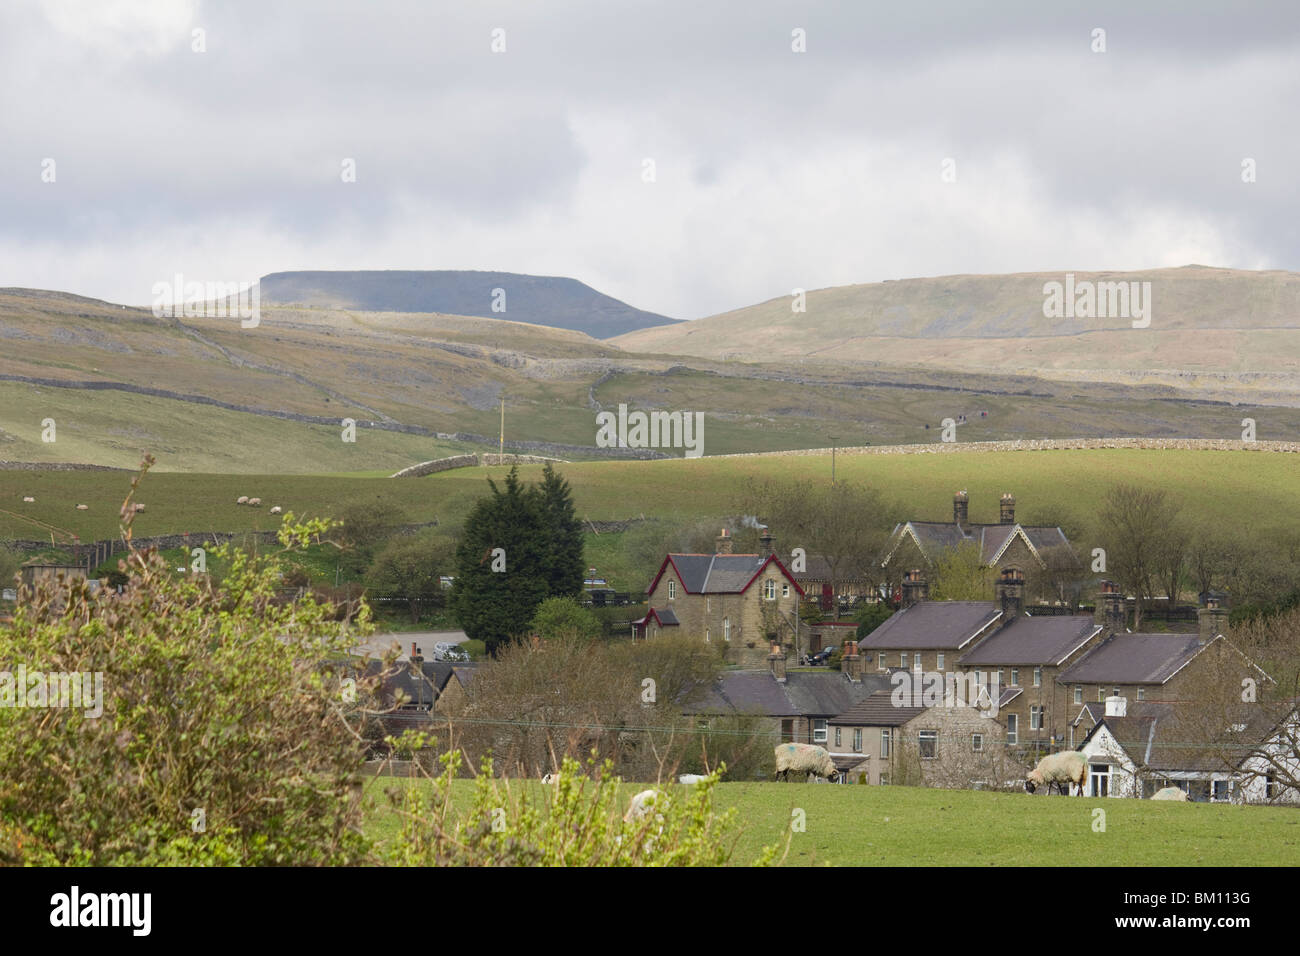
(746, 602)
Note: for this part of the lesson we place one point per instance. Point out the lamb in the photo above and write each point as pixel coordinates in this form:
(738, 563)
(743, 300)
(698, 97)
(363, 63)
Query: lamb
(83, 507)
(805, 759)
(28, 500)
(276, 510)
(691, 778)
(255, 502)
(642, 805)
(139, 507)
(551, 778)
(242, 500)
(1064, 768)
(1170, 793)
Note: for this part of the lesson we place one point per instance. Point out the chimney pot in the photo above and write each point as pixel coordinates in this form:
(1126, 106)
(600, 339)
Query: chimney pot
(1011, 593)
(960, 507)
(1008, 513)
(776, 661)
(915, 587)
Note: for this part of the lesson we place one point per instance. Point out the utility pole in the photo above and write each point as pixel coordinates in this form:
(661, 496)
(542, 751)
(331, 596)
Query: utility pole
(501, 445)
(834, 439)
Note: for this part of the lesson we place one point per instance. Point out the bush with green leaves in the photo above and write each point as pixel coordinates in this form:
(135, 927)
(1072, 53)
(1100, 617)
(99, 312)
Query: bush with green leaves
(222, 738)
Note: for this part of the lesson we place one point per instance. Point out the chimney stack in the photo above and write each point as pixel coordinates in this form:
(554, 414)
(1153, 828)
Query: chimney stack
(1011, 593)
(960, 507)
(724, 542)
(915, 588)
(1111, 614)
(1211, 620)
(768, 542)
(850, 662)
(776, 661)
(1008, 515)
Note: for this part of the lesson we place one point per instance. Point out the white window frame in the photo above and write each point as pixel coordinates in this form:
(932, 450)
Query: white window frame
(726, 628)
(785, 589)
(1078, 693)
(1038, 677)
(938, 661)
(1036, 716)
(837, 737)
(769, 590)
(884, 743)
(672, 589)
(857, 740)
(1015, 677)
(934, 744)
(1142, 693)
(916, 661)
(1013, 729)
(819, 731)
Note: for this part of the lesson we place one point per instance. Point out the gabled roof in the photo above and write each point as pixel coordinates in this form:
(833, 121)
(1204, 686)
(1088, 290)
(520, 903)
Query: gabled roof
(877, 710)
(804, 694)
(666, 617)
(1151, 737)
(931, 537)
(1034, 641)
(1134, 659)
(719, 573)
(416, 689)
(933, 625)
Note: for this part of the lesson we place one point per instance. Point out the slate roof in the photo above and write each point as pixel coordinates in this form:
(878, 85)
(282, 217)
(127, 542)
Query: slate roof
(428, 689)
(1034, 641)
(932, 625)
(1133, 659)
(719, 573)
(666, 617)
(935, 536)
(877, 710)
(804, 694)
(1152, 737)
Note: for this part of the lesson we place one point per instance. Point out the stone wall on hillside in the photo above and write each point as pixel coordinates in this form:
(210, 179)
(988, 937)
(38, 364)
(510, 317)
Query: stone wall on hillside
(1036, 444)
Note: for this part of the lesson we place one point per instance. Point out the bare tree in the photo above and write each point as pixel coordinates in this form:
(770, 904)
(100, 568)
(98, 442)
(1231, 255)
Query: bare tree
(1134, 531)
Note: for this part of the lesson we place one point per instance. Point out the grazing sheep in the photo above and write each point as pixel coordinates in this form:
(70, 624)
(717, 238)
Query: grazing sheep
(551, 778)
(1170, 793)
(1066, 767)
(691, 778)
(83, 507)
(642, 805)
(276, 510)
(255, 502)
(27, 500)
(139, 507)
(804, 759)
(242, 500)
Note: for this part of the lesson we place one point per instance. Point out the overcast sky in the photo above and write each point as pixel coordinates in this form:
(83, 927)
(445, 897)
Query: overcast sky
(773, 169)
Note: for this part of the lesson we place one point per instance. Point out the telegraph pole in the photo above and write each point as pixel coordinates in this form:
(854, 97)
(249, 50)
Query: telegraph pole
(834, 439)
(501, 445)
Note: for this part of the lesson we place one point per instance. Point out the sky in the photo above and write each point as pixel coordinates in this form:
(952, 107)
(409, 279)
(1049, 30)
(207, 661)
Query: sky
(684, 157)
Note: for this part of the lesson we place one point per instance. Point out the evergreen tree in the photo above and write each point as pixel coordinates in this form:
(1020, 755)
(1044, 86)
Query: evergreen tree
(566, 565)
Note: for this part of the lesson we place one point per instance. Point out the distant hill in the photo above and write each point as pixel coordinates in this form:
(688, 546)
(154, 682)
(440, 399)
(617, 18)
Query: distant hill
(1206, 324)
(553, 301)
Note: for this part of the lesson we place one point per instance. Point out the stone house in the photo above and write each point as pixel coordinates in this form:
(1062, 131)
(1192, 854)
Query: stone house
(1007, 544)
(952, 745)
(746, 602)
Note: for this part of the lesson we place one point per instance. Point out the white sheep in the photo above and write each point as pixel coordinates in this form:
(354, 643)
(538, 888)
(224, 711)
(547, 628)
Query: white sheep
(804, 759)
(242, 500)
(139, 507)
(642, 805)
(1170, 793)
(277, 510)
(691, 778)
(551, 778)
(255, 502)
(1062, 769)
(83, 507)
(28, 500)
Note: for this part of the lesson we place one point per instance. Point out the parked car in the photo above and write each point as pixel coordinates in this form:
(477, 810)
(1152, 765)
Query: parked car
(820, 657)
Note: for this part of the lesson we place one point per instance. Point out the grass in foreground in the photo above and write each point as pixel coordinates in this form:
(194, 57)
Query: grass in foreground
(909, 826)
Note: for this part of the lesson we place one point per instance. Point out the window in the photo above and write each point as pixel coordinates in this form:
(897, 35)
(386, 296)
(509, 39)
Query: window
(787, 731)
(1222, 791)
(672, 589)
(1035, 717)
(938, 661)
(769, 589)
(1002, 678)
(977, 743)
(819, 731)
(785, 589)
(1142, 693)
(884, 779)
(1078, 694)
(1099, 780)
(857, 740)
(837, 736)
(884, 743)
(1015, 677)
(902, 659)
(1038, 677)
(928, 742)
(1117, 693)
(706, 635)
(1101, 695)
(726, 628)
(916, 660)
(1270, 785)
(1011, 730)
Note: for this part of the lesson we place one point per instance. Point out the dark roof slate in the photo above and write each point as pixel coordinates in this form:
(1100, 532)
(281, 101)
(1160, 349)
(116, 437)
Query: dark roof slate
(932, 625)
(1133, 659)
(1033, 641)
(877, 710)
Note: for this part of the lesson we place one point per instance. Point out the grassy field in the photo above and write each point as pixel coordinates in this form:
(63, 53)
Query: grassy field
(1253, 490)
(908, 826)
